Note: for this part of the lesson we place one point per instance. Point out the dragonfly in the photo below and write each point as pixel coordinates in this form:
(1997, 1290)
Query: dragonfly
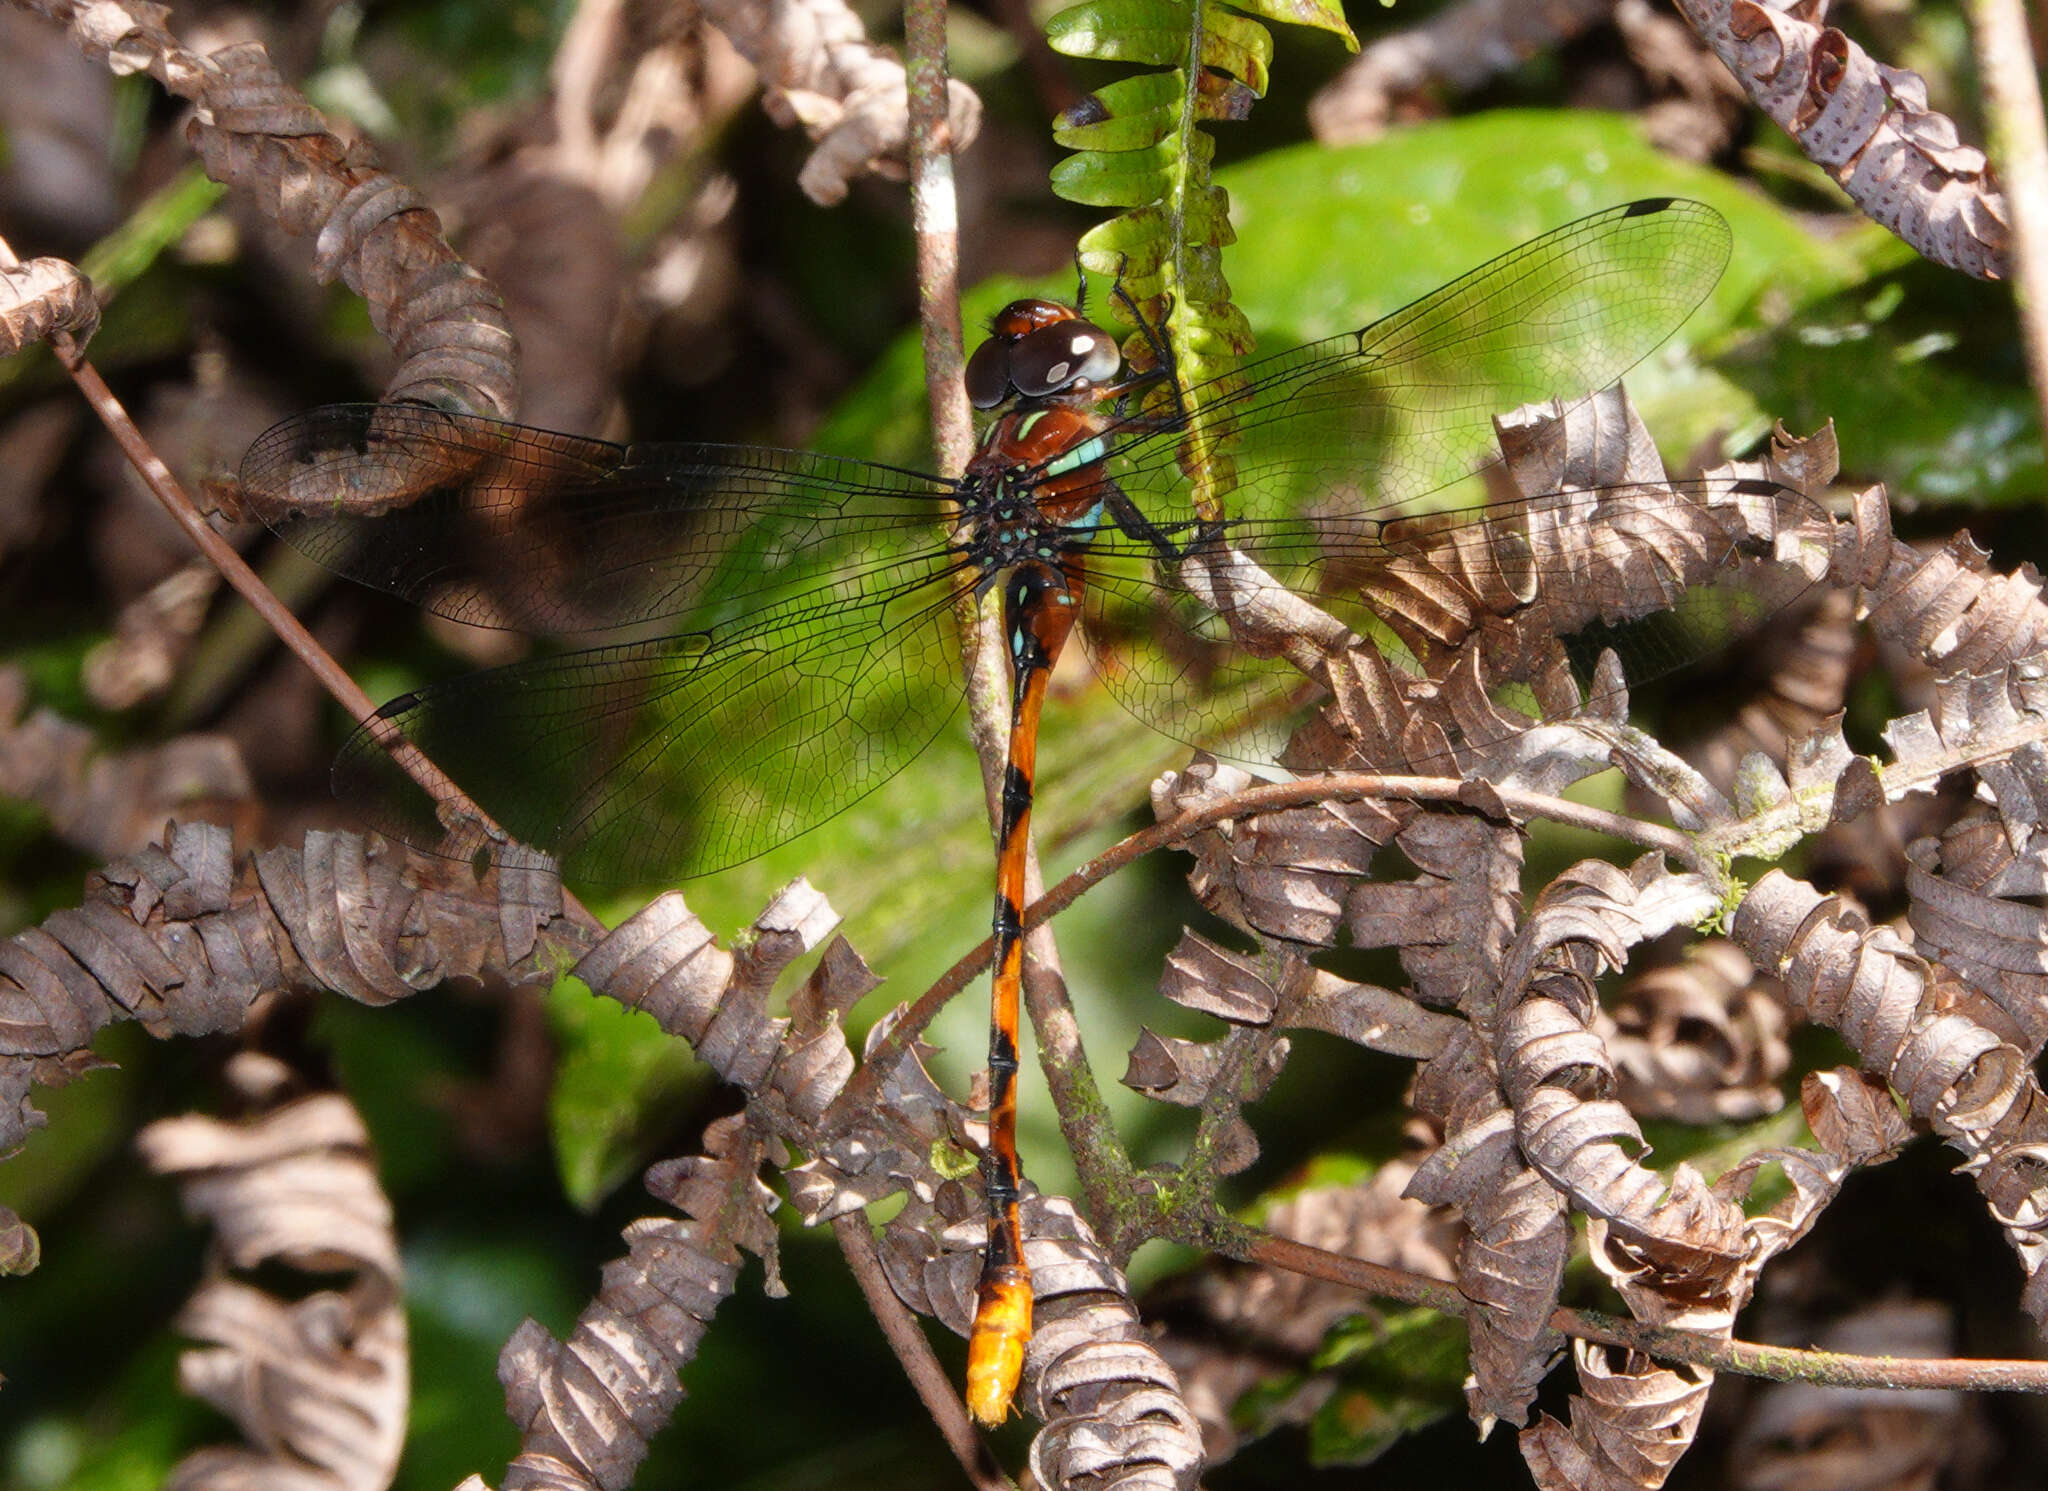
(774, 630)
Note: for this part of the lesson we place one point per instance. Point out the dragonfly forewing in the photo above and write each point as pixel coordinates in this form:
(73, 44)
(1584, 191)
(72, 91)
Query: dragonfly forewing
(496, 524)
(789, 649)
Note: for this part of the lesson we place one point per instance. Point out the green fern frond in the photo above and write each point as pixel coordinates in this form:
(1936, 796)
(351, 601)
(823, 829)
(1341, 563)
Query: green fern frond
(1139, 146)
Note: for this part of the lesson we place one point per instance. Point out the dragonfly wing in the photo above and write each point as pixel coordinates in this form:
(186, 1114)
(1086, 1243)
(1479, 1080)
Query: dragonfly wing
(498, 524)
(1530, 589)
(650, 760)
(1378, 417)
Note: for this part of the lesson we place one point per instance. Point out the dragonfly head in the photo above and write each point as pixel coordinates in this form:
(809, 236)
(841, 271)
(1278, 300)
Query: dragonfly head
(1036, 349)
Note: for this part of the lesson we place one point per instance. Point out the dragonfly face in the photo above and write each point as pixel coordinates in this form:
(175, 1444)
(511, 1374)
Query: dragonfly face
(1037, 349)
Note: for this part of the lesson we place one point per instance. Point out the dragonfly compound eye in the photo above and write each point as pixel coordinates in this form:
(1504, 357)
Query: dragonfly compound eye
(988, 374)
(1059, 356)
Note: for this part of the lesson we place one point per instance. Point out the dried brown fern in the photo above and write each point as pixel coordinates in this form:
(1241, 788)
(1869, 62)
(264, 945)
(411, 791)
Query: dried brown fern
(1531, 1090)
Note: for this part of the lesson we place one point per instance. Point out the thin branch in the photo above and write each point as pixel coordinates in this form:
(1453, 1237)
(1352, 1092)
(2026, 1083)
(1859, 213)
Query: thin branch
(2012, 102)
(933, 1383)
(935, 220)
(1265, 798)
(1748, 1358)
(249, 585)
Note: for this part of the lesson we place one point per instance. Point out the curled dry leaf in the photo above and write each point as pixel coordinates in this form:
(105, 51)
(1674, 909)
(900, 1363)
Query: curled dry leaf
(1633, 1418)
(1867, 125)
(1558, 1078)
(182, 939)
(1517, 1235)
(151, 637)
(586, 1406)
(1233, 1325)
(1607, 541)
(44, 298)
(318, 1383)
(822, 72)
(1806, 669)
(21, 1251)
(1901, 1017)
(1701, 1040)
(369, 230)
(1277, 874)
(1974, 908)
(1462, 46)
(110, 803)
(1452, 921)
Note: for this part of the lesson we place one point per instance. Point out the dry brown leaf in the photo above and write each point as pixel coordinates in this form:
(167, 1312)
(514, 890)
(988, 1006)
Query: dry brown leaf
(254, 133)
(1461, 46)
(115, 802)
(586, 1406)
(1906, 1024)
(820, 71)
(1867, 125)
(1518, 1236)
(318, 1384)
(45, 298)
(1701, 1040)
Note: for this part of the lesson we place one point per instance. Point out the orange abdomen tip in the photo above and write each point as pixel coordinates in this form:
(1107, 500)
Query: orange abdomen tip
(995, 1349)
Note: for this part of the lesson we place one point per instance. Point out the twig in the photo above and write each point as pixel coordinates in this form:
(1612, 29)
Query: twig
(249, 585)
(2012, 103)
(1748, 1358)
(933, 1383)
(935, 220)
(1265, 798)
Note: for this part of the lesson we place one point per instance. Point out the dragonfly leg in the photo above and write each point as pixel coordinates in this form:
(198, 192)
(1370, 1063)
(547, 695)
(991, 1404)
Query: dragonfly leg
(1161, 538)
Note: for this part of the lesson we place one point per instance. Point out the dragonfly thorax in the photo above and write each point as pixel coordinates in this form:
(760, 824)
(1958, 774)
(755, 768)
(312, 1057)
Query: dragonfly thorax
(1004, 524)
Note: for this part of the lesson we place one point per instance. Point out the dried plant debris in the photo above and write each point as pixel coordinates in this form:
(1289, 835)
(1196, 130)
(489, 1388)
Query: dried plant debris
(183, 939)
(820, 71)
(369, 230)
(1535, 1081)
(1691, 111)
(586, 1406)
(1463, 46)
(1234, 1328)
(42, 299)
(318, 1384)
(1701, 1040)
(1804, 1436)
(1632, 1418)
(1867, 125)
(110, 803)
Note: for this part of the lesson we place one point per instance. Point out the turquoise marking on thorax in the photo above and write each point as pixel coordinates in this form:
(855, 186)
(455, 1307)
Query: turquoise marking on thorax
(1087, 453)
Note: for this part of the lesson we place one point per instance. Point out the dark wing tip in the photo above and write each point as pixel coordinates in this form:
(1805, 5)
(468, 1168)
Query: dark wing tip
(1649, 206)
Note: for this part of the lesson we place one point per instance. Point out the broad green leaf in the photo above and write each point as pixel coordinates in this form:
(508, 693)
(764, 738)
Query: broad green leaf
(621, 1084)
(1321, 14)
(1153, 32)
(1128, 178)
